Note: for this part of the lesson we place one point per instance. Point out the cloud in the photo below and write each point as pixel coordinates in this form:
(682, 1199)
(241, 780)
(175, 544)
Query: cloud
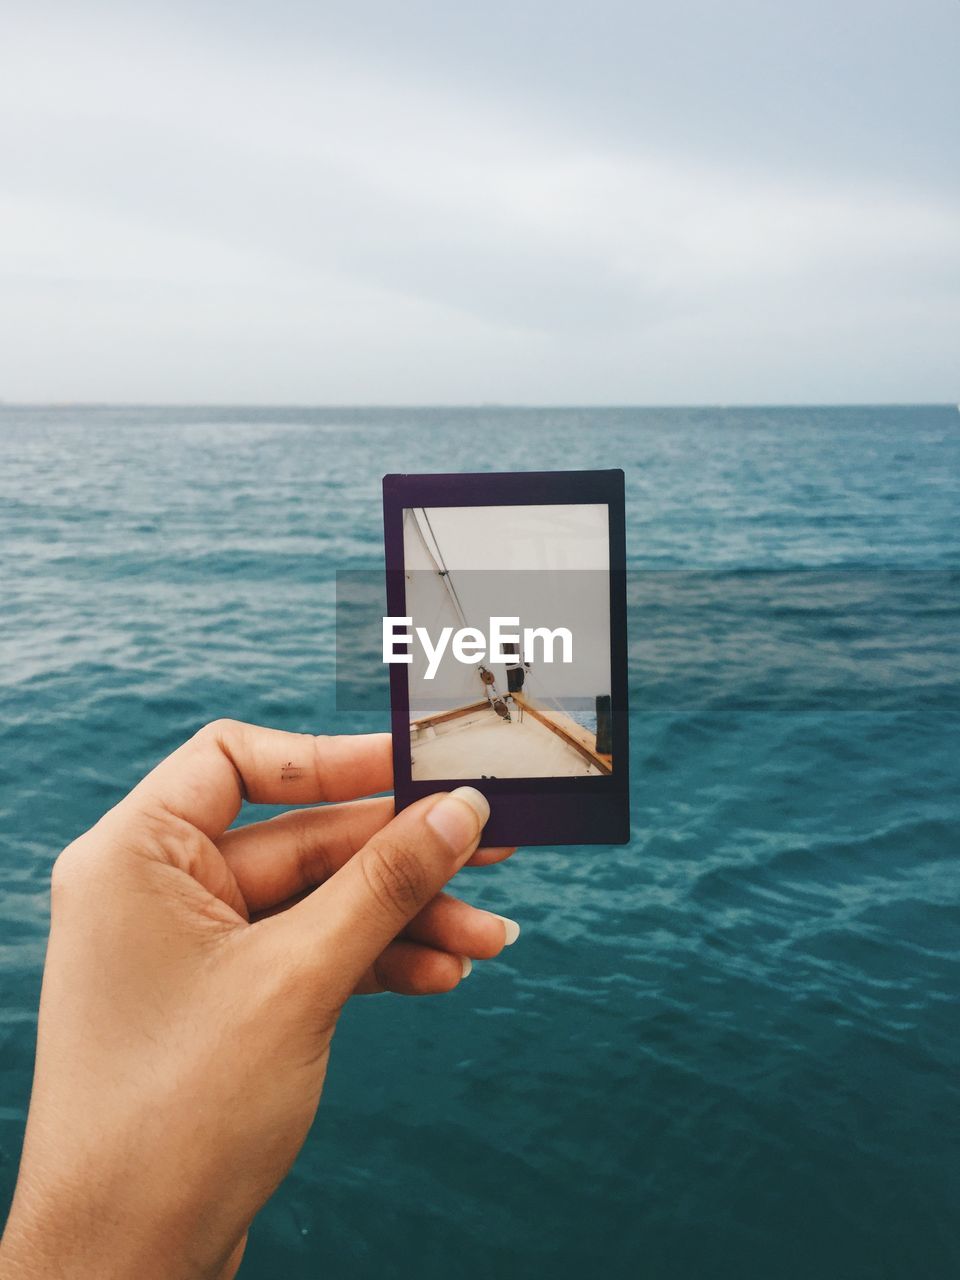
(186, 219)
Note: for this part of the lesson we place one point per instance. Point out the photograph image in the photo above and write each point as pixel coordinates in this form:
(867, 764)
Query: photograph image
(530, 584)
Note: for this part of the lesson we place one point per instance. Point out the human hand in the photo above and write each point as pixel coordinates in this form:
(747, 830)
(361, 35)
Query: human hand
(192, 985)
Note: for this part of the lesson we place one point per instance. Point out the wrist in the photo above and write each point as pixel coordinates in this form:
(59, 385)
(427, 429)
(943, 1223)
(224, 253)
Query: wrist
(50, 1238)
(43, 1240)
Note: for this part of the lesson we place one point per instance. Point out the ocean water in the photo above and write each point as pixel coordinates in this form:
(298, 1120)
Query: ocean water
(727, 1050)
(583, 710)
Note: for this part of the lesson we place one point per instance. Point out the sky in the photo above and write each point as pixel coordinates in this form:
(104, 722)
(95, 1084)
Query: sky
(531, 203)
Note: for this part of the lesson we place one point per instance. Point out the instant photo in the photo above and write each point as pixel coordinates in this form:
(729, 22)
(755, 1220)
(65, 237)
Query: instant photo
(505, 639)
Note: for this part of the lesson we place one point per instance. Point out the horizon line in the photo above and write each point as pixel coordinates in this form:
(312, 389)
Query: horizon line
(477, 404)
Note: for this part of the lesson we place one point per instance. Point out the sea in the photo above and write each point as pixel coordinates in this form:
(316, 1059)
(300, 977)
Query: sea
(582, 710)
(729, 1050)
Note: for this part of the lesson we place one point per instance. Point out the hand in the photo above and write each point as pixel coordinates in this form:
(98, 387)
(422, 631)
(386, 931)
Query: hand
(192, 986)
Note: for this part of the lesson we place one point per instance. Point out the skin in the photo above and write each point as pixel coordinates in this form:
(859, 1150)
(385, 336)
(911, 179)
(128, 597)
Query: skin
(192, 986)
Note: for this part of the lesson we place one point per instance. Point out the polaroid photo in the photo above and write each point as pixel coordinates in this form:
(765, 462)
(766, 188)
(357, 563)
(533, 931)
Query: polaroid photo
(506, 641)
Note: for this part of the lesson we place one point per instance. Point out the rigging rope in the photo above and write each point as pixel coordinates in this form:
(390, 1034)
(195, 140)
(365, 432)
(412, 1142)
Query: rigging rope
(436, 555)
(444, 571)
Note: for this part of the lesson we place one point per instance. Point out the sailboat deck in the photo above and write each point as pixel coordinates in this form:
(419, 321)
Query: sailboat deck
(479, 744)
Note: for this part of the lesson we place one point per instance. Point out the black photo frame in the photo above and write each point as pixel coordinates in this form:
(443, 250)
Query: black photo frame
(536, 810)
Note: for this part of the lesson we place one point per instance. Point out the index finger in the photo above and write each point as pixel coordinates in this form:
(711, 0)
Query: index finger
(206, 780)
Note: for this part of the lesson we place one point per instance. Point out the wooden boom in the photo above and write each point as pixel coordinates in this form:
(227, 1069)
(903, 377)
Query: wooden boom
(442, 716)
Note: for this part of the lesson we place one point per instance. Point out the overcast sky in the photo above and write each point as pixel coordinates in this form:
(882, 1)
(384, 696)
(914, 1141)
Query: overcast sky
(436, 202)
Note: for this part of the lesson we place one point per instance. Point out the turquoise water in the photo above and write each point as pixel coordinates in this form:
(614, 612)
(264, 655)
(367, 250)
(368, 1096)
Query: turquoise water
(727, 1050)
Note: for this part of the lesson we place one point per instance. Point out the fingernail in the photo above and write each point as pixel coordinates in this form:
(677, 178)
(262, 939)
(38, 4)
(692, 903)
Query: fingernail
(452, 821)
(511, 930)
(466, 967)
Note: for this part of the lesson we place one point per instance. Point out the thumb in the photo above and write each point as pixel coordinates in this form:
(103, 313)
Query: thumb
(348, 921)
